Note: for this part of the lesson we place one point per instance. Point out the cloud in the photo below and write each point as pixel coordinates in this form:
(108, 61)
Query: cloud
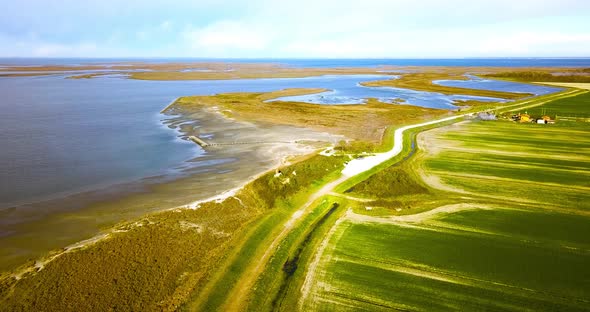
(402, 28)
(165, 25)
(303, 28)
(142, 35)
(225, 37)
(529, 43)
(54, 50)
(34, 47)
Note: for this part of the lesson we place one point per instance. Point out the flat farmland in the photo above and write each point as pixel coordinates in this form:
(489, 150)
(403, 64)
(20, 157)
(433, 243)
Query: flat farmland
(515, 238)
(439, 265)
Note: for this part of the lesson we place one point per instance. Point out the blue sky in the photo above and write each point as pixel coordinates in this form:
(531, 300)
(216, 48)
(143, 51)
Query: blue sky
(300, 29)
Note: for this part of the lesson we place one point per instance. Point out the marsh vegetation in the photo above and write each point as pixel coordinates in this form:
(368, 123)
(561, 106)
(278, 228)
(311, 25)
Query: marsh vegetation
(363, 122)
(424, 82)
(580, 75)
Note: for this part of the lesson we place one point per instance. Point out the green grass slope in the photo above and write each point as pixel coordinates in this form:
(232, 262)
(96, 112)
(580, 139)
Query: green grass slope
(516, 237)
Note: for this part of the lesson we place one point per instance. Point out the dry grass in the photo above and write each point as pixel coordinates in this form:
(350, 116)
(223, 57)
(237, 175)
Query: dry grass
(188, 71)
(248, 73)
(230, 70)
(580, 85)
(423, 82)
(23, 74)
(572, 75)
(363, 122)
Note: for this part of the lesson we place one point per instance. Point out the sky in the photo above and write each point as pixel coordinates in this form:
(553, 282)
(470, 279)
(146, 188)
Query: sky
(295, 28)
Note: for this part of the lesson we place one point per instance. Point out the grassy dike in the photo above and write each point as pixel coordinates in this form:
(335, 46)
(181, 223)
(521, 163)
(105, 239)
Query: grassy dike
(160, 260)
(259, 235)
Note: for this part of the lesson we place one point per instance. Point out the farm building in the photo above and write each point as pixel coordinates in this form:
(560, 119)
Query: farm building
(544, 120)
(521, 117)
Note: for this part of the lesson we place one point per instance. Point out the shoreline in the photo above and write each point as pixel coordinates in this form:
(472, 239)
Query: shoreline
(91, 214)
(40, 263)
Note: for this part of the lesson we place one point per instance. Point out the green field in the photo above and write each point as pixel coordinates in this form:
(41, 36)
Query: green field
(443, 265)
(578, 106)
(516, 237)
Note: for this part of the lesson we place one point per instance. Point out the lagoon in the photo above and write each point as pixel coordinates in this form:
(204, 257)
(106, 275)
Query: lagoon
(62, 136)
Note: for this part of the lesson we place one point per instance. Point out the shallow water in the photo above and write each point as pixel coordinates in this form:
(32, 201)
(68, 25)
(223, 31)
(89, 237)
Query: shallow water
(62, 136)
(349, 91)
(497, 85)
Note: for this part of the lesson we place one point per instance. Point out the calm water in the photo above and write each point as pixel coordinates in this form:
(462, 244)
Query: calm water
(347, 90)
(61, 136)
(319, 63)
(497, 85)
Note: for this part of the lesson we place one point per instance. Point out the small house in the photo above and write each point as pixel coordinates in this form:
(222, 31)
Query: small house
(524, 118)
(545, 120)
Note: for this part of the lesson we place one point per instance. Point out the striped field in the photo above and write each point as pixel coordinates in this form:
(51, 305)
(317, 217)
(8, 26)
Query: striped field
(516, 237)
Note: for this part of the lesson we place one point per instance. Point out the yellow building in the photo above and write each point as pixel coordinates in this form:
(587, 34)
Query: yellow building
(524, 118)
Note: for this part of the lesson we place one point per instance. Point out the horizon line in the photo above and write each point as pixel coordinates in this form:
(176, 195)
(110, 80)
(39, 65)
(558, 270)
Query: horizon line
(295, 58)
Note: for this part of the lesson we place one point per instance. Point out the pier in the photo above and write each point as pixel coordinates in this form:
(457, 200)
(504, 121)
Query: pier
(198, 141)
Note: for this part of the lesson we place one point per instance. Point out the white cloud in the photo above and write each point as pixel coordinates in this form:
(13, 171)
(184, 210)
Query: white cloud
(302, 28)
(473, 42)
(534, 44)
(142, 35)
(57, 50)
(165, 25)
(226, 37)
(402, 28)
